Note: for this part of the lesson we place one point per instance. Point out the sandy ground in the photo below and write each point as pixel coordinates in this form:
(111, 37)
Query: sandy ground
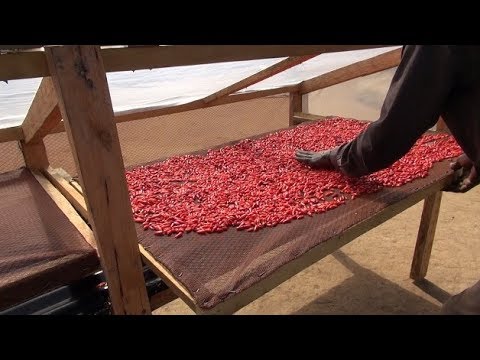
(369, 275)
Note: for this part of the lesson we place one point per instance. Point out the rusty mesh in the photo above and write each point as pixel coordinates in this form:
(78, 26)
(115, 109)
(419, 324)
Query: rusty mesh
(217, 266)
(11, 156)
(40, 247)
(146, 139)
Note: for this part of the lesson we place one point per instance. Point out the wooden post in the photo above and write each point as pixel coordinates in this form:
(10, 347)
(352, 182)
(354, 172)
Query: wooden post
(44, 114)
(34, 154)
(81, 86)
(428, 225)
(426, 234)
(295, 106)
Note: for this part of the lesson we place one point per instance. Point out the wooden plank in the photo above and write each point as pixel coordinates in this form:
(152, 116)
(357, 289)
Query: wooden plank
(23, 65)
(290, 269)
(295, 106)
(72, 181)
(162, 272)
(33, 64)
(14, 133)
(428, 225)
(68, 191)
(257, 77)
(365, 67)
(162, 298)
(20, 47)
(84, 99)
(34, 154)
(148, 57)
(426, 234)
(145, 113)
(300, 117)
(43, 114)
(66, 208)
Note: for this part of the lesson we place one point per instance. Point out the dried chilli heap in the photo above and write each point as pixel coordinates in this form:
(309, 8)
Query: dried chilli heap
(257, 183)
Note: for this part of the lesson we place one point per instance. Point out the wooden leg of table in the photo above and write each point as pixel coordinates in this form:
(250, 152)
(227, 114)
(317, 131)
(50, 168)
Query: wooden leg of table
(295, 106)
(81, 86)
(426, 233)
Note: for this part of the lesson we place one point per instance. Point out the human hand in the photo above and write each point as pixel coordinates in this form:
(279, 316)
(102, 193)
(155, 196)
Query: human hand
(316, 160)
(467, 175)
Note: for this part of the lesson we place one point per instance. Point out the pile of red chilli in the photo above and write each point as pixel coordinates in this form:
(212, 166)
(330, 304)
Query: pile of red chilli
(257, 183)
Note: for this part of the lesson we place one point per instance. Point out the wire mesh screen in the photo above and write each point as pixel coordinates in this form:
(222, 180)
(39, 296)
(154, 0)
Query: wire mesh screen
(149, 139)
(11, 157)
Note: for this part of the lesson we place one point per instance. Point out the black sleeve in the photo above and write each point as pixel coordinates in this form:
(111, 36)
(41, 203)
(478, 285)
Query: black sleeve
(416, 98)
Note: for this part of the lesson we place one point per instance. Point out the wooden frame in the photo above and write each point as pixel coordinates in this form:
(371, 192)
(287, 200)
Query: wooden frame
(69, 71)
(66, 207)
(295, 106)
(32, 64)
(364, 67)
(290, 269)
(300, 117)
(257, 77)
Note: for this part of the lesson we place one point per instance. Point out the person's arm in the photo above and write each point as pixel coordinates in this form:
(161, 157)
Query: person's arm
(416, 98)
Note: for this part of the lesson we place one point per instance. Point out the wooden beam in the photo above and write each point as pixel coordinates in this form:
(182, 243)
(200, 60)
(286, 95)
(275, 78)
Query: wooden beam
(162, 298)
(14, 133)
(66, 208)
(81, 85)
(23, 65)
(426, 234)
(70, 179)
(365, 67)
(148, 57)
(198, 104)
(43, 114)
(20, 47)
(300, 117)
(35, 154)
(257, 77)
(162, 272)
(295, 106)
(68, 191)
(145, 113)
(32, 64)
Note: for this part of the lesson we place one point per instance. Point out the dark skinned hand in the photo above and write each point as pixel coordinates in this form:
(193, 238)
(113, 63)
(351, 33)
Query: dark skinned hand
(316, 160)
(467, 175)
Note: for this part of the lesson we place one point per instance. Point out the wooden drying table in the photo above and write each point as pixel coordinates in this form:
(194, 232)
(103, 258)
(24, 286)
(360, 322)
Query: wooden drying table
(44, 243)
(222, 272)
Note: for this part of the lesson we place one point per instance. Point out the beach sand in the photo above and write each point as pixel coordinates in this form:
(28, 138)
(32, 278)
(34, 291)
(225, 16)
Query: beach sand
(369, 275)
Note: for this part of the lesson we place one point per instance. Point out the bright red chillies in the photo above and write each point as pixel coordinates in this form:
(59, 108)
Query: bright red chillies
(258, 183)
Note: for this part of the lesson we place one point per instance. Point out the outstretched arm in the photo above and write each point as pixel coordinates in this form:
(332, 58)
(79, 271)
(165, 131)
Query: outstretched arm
(416, 98)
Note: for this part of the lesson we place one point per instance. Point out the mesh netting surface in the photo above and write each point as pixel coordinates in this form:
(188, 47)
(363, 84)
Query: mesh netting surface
(40, 248)
(217, 266)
